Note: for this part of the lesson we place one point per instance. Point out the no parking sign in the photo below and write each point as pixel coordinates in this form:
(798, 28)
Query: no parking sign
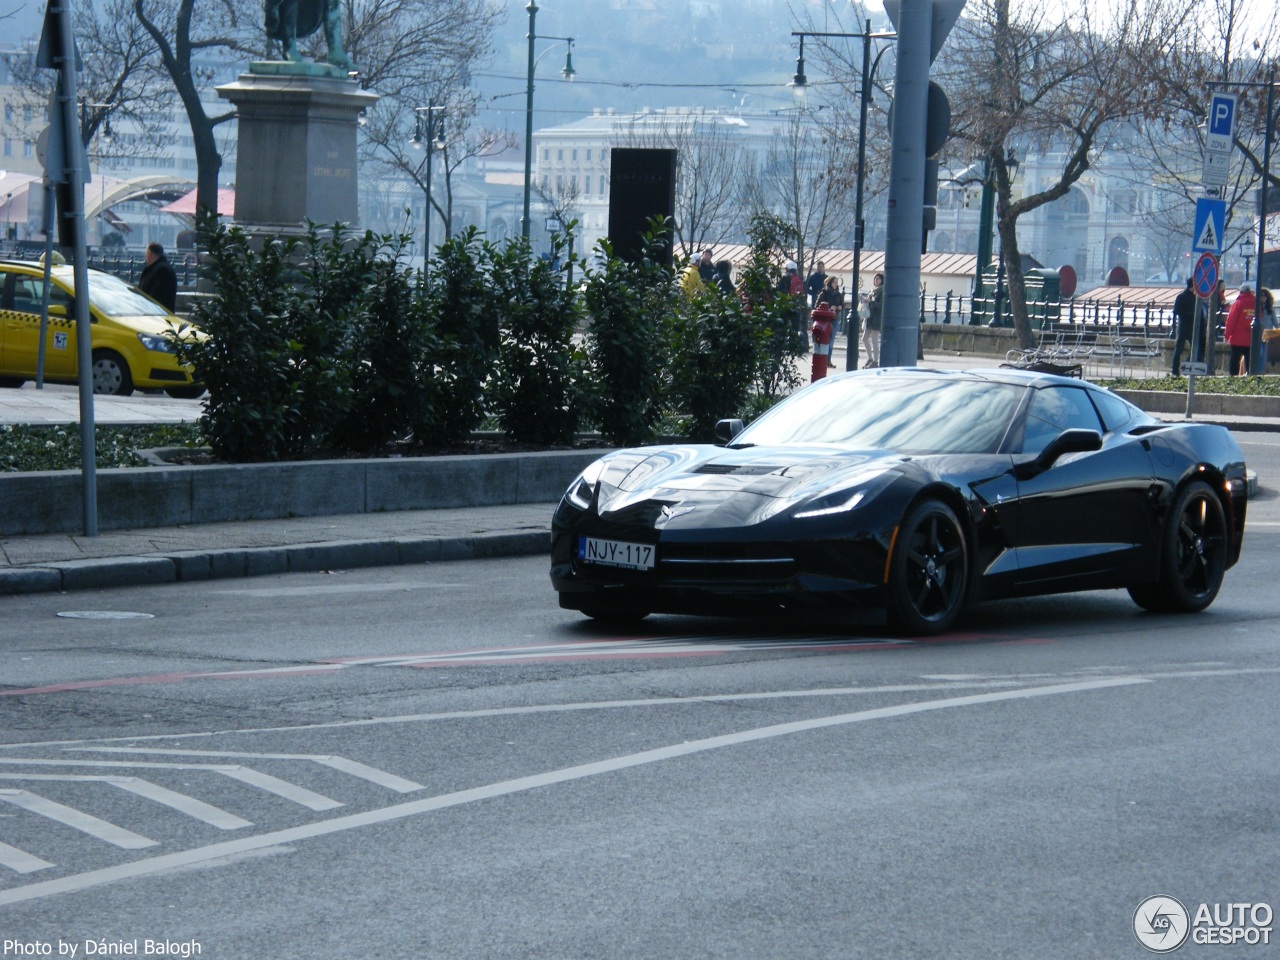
(1205, 275)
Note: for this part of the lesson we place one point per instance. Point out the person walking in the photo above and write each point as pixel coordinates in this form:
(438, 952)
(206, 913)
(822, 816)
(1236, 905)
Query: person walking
(871, 329)
(833, 297)
(817, 280)
(158, 279)
(1184, 318)
(724, 277)
(1239, 332)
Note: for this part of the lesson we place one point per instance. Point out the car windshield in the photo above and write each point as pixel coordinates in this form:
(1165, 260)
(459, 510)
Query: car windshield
(906, 414)
(115, 298)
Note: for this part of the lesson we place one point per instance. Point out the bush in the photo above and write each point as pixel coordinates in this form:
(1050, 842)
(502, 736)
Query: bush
(628, 305)
(537, 389)
(246, 355)
(459, 300)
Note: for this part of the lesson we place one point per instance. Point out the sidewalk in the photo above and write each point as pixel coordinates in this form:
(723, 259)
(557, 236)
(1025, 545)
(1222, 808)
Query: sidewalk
(52, 562)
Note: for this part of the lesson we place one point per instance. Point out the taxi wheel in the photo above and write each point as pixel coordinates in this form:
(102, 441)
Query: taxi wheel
(185, 393)
(111, 374)
(11, 383)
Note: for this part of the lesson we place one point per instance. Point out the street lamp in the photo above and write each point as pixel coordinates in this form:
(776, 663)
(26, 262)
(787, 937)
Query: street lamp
(428, 134)
(1011, 169)
(567, 73)
(798, 84)
(1248, 251)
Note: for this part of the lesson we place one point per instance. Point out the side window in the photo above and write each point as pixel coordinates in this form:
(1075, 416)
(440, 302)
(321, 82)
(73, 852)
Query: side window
(27, 293)
(1115, 412)
(1054, 409)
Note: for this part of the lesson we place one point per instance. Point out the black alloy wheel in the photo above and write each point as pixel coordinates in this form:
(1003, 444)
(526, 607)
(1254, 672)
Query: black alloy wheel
(1193, 558)
(928, 571)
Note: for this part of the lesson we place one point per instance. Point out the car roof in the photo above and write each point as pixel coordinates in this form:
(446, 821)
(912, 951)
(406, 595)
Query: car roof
(1009, 375)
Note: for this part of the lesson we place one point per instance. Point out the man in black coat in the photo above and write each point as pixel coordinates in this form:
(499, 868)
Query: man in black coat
(1184, 317)
(158, 280)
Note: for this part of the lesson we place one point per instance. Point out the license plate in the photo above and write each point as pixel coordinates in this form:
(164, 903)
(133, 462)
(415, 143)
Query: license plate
(614, 553)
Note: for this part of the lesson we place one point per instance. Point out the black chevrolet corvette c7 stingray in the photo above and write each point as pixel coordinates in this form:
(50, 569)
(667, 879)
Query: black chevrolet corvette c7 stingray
(916, 491)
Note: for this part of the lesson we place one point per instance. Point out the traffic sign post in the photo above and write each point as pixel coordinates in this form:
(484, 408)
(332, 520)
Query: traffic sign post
(1204, 279)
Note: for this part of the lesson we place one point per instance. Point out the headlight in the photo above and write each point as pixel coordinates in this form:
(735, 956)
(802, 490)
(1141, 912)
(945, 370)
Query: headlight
(157, 343)
(582, 491)
(856, 489)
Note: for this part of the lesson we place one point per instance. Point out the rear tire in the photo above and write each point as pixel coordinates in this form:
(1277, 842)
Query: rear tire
(1193, 556)
(111, 375)
(928, 571)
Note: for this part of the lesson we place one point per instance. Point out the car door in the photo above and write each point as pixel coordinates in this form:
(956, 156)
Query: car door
(20, 316)
(1087, 519)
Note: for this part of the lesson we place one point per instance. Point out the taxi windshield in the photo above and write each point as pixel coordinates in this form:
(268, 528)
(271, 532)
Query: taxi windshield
(115, 298)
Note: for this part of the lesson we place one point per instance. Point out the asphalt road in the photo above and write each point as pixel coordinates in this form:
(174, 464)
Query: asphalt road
(436, 762)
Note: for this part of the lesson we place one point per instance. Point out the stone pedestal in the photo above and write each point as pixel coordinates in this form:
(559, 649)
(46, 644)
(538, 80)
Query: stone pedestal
(296, 159)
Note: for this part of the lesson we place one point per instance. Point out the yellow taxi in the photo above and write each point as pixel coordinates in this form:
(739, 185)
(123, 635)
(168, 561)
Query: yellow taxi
(130, 340)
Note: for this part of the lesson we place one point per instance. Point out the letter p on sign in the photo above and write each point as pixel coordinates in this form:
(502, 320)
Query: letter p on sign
(1220, 137)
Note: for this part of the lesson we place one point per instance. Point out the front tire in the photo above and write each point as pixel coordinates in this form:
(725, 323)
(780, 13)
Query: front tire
(928, 571)
(111, 374)
(185, 393)
(1193, 555)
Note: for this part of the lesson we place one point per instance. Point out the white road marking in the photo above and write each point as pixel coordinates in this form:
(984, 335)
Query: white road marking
(330, 588)
(411, 808)
(352, 767)
(263, 781)
(20, 861)
(77, 820)
(152, 791)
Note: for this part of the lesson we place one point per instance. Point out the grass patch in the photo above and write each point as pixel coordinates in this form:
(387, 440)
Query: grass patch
(25, 447)
(1237, 386)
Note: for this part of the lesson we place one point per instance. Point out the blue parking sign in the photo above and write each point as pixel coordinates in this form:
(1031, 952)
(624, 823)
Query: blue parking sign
(1220, 135)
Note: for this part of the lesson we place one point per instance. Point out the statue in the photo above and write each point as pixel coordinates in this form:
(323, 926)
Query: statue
(287, 20)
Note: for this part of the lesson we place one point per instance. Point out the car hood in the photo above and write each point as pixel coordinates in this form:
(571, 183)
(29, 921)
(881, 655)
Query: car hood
(713, 475)
(150, 323)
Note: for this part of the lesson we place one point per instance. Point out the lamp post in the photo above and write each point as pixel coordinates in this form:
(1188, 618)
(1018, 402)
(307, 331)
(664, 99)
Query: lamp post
(1248, 251)
(864, 104)
(1011, 168)
(428, 134)
(567, 73)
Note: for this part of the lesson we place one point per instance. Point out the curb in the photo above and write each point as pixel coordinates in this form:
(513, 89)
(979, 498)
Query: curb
(192, 565)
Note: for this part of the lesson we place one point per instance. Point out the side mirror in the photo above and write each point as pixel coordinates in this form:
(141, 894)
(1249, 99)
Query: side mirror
(726, 430)
(1069, 441)
(57, 310)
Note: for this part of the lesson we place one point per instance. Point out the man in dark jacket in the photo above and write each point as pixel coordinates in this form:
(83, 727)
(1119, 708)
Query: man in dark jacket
(158, 280)
(1184, 318)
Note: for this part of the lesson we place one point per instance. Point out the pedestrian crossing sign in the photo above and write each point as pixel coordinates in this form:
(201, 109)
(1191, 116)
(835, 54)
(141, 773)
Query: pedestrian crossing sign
(1211, 221)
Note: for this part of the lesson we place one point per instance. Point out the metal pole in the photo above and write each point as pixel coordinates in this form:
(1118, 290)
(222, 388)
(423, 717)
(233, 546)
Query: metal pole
(73, 154)
(900, 328)
(1257, 355)
(859, 225)
(528, 125)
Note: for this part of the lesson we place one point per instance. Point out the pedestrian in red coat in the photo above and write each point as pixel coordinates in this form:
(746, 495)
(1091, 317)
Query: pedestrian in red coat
(1239, 332)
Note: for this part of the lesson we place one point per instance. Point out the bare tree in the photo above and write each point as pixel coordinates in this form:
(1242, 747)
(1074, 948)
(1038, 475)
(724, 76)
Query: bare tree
(711, 173)
(1211, 55)
(1059, 87)
(181, 39)
(803, 179)
(388, 146)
